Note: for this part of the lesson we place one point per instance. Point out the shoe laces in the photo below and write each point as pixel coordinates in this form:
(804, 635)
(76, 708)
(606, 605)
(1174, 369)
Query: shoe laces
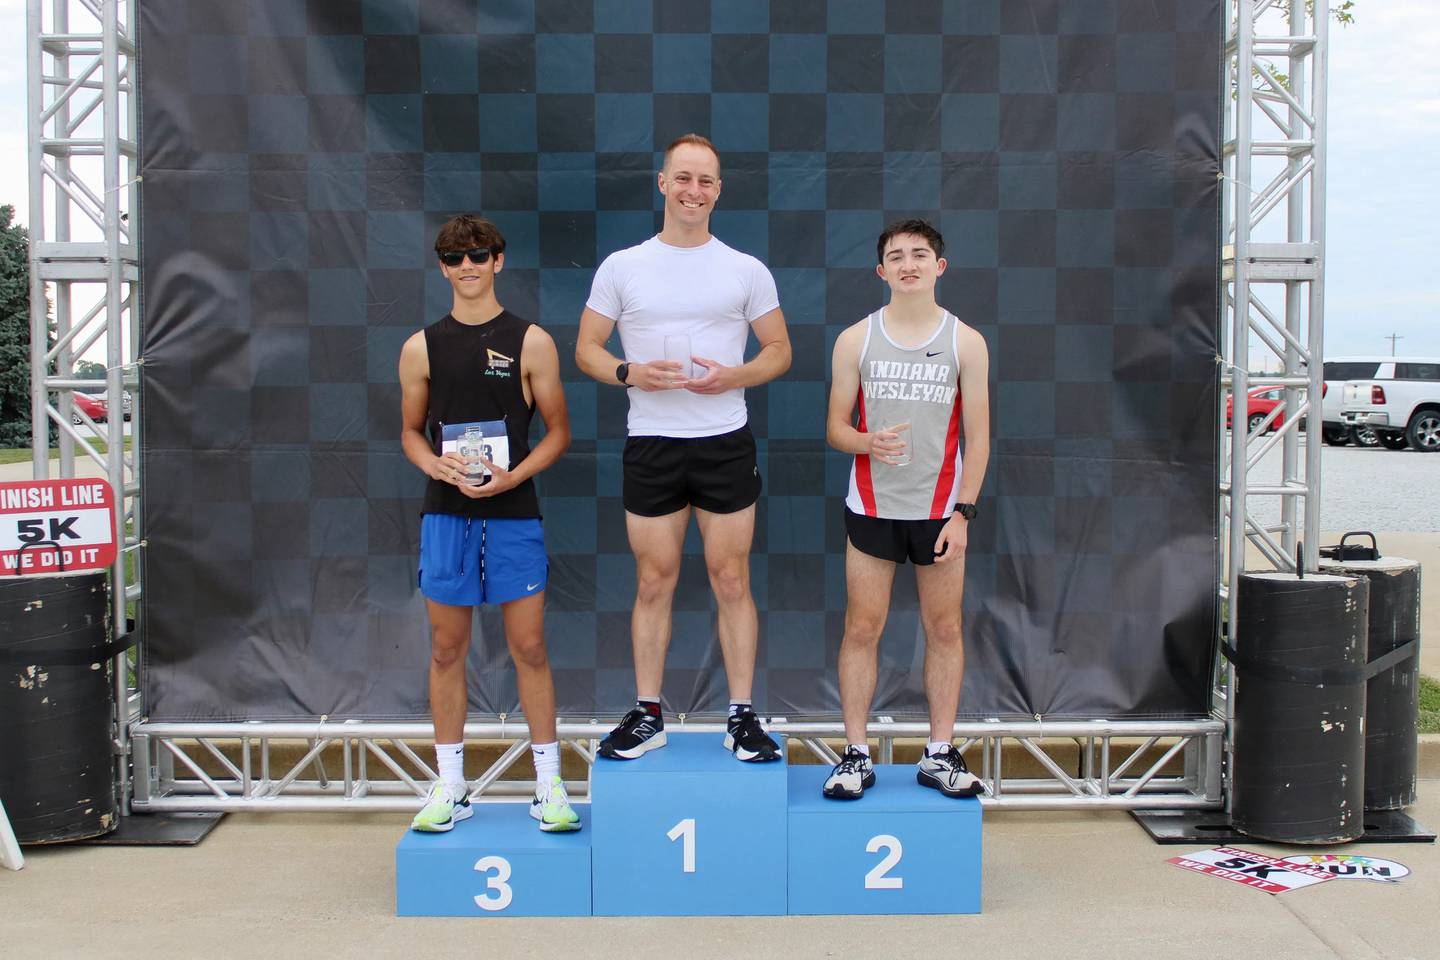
(635, 718)
(952, 759)
(555, 792)
(853, 761)
(747, 724)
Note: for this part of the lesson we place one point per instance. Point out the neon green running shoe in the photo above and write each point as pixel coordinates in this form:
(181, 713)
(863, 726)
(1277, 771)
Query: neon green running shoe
(552, 807)
(446, 806)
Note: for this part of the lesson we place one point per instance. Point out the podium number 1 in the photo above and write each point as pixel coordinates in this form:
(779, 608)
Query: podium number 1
(685, 828)
(502, 893)
(876, 879)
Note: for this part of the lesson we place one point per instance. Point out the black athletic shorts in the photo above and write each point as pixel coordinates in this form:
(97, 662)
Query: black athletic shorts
(664, 474)
(894, 540)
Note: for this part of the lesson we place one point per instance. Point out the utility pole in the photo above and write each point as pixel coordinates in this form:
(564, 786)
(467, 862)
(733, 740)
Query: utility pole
(1392, 338)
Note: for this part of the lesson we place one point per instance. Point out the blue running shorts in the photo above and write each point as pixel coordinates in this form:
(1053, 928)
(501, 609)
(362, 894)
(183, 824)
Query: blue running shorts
(465, 562)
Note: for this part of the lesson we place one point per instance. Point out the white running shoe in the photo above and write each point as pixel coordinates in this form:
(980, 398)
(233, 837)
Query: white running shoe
(446, 806)
(852, 776)
(946, 771)
(551, 807)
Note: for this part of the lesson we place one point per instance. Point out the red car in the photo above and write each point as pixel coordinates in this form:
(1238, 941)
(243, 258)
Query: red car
(1262, 401)
(92, 407)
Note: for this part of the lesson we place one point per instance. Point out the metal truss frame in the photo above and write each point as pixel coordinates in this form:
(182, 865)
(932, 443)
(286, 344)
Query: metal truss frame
(1112, 763)
(81, 61)
(1273, 275)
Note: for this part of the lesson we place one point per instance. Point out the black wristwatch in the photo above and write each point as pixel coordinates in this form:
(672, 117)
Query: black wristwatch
(622, 373)
(966, 510)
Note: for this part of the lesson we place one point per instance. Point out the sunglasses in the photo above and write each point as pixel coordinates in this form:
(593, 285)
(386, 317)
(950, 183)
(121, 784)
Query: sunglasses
(453, 258)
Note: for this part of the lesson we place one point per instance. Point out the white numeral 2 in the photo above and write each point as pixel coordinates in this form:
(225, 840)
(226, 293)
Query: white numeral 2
(685, 828)
(503, 894)
(876, 879)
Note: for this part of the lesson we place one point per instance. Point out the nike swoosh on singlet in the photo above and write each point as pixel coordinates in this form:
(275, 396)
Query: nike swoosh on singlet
(935, 354)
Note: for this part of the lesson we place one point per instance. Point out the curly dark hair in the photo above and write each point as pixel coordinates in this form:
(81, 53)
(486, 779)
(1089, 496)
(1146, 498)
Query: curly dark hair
(919, 228)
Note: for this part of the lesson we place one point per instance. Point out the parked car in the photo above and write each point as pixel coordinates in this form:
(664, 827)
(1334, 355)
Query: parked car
(125, 402)
(93, 407)
(1400, 402)
(1337, 370)
(1262, 401)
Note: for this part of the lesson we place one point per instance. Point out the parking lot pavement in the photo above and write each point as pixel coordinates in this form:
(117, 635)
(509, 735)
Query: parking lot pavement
(1365, 489)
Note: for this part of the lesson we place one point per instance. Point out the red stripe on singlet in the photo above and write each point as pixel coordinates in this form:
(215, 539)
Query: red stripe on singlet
(946, 481)
(862, 466)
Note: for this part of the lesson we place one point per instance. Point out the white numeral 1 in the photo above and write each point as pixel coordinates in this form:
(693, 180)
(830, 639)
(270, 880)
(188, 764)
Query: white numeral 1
(876, 879)
(685, 828)
(503, 894)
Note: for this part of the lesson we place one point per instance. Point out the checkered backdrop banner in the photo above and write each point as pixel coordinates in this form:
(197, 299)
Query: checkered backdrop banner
(299, 156)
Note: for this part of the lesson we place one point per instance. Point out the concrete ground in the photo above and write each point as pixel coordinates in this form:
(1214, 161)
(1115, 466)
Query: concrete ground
(1075, 885)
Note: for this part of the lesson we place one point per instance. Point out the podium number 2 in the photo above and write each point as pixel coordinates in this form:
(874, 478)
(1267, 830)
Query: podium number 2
(501, 894)
(685, 828)
(876, 878)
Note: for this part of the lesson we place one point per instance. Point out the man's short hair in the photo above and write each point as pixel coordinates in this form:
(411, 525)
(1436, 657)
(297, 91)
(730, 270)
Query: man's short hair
(469, 232)
(916, 226)
(694, 139)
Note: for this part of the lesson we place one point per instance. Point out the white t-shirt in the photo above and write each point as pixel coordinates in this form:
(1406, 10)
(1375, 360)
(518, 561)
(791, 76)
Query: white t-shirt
(710, 292)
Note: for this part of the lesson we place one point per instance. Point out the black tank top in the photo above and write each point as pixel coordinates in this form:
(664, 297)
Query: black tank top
(475, 376)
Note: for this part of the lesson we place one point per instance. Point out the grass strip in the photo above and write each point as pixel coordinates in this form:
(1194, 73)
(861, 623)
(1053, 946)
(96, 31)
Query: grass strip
(1429, 705)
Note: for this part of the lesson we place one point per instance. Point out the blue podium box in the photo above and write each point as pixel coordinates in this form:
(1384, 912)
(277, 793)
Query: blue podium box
(687, 830)
(496, 864)
(900, 849)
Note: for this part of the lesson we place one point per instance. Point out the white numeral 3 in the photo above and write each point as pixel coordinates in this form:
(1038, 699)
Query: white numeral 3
(502, 893)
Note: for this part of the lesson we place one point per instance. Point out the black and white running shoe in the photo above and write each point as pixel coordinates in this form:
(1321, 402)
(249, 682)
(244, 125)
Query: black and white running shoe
(852, 776)
(747, 739)
(946, 772)
(638, 733)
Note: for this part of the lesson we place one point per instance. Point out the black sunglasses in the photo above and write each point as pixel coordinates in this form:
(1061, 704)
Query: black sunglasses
(452, 258)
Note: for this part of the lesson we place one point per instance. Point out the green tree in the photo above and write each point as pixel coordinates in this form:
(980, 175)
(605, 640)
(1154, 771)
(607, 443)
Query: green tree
(14, 331)
(89, 370)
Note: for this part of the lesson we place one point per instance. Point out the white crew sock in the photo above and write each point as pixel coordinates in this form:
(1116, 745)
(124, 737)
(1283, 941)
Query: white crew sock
(547, 761)
(451, 759)
(935, 748)
(862, 747)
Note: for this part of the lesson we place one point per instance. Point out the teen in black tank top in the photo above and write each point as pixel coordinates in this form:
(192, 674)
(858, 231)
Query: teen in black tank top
(475, 376)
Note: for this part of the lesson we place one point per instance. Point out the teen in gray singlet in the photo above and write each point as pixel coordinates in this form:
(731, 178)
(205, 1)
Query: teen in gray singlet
(900, 411)
(918, 386)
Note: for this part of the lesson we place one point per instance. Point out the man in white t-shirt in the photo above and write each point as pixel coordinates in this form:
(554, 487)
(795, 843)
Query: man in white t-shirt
(685, 305)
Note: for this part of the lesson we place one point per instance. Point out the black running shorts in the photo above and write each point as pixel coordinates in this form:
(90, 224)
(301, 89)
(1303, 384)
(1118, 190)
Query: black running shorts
(664, 474)
(894, 540)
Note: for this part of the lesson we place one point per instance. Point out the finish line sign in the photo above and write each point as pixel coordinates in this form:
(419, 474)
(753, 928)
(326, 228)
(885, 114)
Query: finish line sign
(56, 526)
(1252, 869)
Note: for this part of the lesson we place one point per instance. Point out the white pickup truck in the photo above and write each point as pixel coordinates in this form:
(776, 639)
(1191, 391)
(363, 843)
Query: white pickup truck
(1401, 403)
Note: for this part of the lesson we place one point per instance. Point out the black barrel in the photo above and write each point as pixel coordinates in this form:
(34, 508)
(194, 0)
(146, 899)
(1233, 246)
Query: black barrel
(1392, 697)
(1299, 734)
(57, 774)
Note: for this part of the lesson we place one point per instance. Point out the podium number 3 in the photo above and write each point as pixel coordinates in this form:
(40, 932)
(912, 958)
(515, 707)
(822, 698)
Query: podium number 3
(500, 892)
(876, 878)
(685, 828)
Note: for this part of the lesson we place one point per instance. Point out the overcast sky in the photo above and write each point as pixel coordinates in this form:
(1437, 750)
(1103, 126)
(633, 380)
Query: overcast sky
(1383, 233)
